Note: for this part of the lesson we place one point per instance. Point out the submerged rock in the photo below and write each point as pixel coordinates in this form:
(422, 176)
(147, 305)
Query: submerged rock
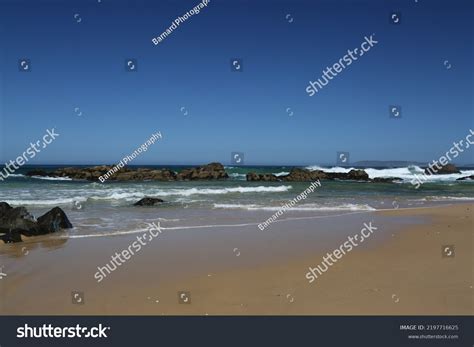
(147, 201)
(466, 178)
(386, 179)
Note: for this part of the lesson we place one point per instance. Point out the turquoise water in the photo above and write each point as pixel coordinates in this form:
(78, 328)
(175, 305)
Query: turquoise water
(107, 208)
(237, 193)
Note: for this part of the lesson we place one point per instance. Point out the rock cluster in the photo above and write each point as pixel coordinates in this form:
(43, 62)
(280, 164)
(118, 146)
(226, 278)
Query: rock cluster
(17, 221)
(304, 175)
(206, 172)
(212, 171)
(261, 177)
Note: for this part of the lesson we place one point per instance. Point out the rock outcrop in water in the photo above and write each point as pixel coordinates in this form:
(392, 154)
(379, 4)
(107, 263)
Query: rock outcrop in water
(147, 201)
(17, 221)
(212, 171)
(445, 170)
(93, 174)
(305, 175)
(302, 175)
(207, 172)
(261, 177)
(298, 174)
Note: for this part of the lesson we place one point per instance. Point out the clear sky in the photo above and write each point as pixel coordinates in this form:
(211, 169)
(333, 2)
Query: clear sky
(77, 52)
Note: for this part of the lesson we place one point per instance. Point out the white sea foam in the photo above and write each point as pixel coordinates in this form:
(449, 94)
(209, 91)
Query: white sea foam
(406, 173)
(120, 194)
(305, 207)
(44, 202)
(52, 178)
(329, 169)
(238, 175)
(65, 197)
(448, 198)
(243, 176)
(41, 177)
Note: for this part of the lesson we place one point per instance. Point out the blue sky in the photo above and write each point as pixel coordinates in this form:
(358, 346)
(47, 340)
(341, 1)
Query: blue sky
(83, 65)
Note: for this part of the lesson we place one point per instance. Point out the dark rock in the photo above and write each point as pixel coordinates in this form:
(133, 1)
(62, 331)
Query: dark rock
(206, 172)
(53, 221)
(15, 222)
(387, 179)
(12, 236)
(251, 176)
(303, 175)
(160, 175)
(359, 175)
(356, 175)
(445, 170)
(467, 178)
(17, 218)
(4, 207)
(147, 201)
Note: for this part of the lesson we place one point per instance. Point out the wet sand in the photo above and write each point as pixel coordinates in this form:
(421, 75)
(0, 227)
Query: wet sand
(399, 270)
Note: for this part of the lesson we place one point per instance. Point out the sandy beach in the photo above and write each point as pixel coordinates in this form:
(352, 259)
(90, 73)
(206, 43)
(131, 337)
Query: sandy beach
(400, 270)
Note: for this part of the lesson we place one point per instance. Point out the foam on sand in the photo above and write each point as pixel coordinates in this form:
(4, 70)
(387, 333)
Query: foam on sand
(305, 207)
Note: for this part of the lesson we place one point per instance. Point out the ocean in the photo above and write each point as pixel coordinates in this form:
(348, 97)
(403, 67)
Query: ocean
(106, 208)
